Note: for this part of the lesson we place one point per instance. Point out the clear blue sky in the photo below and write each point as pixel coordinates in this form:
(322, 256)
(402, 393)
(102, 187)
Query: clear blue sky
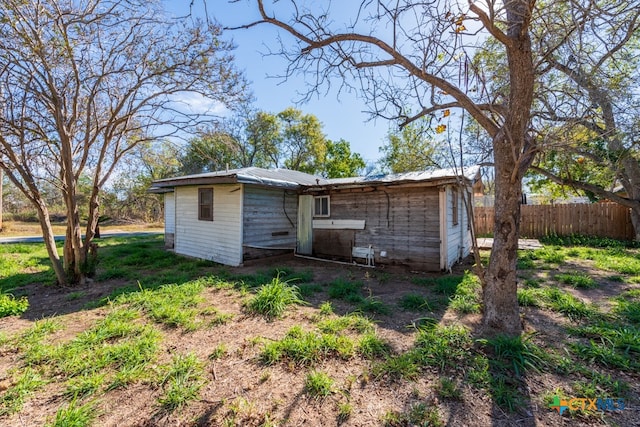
(342, 117)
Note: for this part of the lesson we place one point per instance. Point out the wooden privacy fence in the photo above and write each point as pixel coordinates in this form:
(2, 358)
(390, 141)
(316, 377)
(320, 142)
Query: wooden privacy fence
(598, 219)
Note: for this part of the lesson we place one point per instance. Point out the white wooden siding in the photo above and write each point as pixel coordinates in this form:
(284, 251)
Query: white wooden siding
(169, 213)
(219, 240)
(458, 236)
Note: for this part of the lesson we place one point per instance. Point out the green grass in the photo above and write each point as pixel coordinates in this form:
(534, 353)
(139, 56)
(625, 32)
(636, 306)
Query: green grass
(84, 385)
(627, 306)
(414, 302)
(24, 263)
(515, 354)
(172, 305)
(466, 298)
(371, 346)
(610, 345)
(529, 297)
(307, 348)
(182, 382)
(273, 299)
(448, 388)
(577, 280)
(25, 385)
(397, 367)
(418, 414)
(346, 290)
(373, 305)
(318, 384)
(74, 415)
(354, 321)
(570, 306)
(443, 346)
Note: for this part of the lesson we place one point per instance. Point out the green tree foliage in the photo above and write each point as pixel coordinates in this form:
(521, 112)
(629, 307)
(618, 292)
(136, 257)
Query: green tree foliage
(302, 145)
(289, 139)
(411, 148)
(340, 162)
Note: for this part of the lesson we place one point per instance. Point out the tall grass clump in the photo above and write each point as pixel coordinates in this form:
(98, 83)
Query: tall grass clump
(273, 299)
(74, 415)
(182, 382)
(443, 346)
(517, 354)
(466, 298)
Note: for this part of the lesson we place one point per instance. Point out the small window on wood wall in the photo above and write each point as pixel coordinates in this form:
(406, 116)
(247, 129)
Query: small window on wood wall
(205, 204)
(454, 206)
(321, 206)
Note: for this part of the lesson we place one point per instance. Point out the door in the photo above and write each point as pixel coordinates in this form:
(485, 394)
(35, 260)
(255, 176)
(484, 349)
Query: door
(305, 225)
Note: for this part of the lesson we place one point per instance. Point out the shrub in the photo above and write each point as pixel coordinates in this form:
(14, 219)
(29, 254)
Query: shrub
(10, 306)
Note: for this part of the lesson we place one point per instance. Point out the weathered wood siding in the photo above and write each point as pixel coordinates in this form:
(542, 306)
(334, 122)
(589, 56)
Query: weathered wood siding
(219, 240)
(598, 219)
(459, 235)
(403, 222)
(169, 220)
(270, 218)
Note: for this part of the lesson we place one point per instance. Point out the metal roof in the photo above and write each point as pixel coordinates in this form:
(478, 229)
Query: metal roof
(282, 178)
(470, 173)
(285, 178)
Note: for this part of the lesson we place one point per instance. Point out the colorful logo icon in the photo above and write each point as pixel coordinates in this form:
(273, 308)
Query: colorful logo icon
(559, 405)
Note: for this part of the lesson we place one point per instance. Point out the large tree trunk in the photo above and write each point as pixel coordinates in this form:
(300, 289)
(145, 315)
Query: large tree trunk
(513, 151)
(501, 313)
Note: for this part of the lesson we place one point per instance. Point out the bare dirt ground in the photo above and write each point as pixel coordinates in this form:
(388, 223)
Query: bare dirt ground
(239, 386)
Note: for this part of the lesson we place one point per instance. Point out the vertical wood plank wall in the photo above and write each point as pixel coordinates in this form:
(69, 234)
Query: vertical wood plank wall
(402, 222)
(598, 219)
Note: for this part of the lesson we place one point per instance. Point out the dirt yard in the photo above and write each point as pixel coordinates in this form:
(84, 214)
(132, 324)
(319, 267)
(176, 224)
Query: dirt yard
(238, 388)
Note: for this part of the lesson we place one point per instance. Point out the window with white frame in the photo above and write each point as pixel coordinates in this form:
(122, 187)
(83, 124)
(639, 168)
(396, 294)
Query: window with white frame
(321, 206)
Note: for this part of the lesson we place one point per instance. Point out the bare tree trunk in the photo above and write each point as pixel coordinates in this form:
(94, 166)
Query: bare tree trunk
(74, 254)
(50, 243)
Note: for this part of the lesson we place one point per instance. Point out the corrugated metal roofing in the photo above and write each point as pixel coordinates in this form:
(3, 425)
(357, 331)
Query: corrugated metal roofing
(285, 178)
(469, 172)
(270, 177)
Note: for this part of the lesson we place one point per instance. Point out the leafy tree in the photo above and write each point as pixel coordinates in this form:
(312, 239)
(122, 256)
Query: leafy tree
(211, 152)
(128, 197)
(410, 148)
(302, 145)
(82, 83)
(289, 139)
(418, 55)
(340, 162)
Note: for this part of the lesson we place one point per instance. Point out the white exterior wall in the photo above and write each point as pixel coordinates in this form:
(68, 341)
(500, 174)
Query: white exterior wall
(169, 213)
(219, 240)
(458, 237)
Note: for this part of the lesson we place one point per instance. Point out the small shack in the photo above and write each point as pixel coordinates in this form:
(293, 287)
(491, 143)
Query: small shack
(417, 219)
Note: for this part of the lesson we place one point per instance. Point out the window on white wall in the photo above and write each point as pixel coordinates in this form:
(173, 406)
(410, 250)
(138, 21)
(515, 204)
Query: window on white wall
(321, 206)
(205, 204)
(454, 206)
